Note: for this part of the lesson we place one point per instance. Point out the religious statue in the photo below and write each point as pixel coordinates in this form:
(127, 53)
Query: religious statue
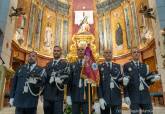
(84, 26)
(48, 35)
(119, 36)
(146, 34)
(20, 30)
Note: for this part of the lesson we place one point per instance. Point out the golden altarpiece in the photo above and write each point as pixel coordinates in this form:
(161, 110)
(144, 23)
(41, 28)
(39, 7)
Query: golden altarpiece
(57, 18)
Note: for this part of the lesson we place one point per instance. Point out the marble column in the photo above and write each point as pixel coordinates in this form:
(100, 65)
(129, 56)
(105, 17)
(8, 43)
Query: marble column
(8, 28)
(159, 8)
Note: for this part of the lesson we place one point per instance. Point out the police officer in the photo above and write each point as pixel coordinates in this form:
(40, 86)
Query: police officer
(77, 92)
(110, 82)
(136, 81)
(56, 76)
(27, 79)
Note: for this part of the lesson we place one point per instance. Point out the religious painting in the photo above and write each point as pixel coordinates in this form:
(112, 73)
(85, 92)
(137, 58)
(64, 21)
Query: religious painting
(83, 19)
(101, 36)
(135, 25)
(58, 31)
(80, 15)
(65, 37)
(47, 31)
(22, 21)
(38, 28)
(31, 25)
(48, 35)
(119, 36)
(108, 33)
(128, 32)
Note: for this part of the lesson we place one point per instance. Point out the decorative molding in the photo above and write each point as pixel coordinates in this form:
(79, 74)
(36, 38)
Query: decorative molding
(63, 8)
(57, 6)
(108, 5)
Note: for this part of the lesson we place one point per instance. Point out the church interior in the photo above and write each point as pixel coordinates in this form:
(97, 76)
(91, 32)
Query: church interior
(119, 25)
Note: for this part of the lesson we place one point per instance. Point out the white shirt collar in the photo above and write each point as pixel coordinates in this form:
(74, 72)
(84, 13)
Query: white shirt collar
(81, 60)
(136, 62)
(110, 62)
(57, 60)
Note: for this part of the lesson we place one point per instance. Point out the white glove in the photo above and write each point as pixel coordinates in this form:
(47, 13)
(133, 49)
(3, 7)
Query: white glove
(125, 80)
(127, 100)
(51, 80)
(156, 78)
(11, 101)
(41, 98)
(96, 107)
(32, 80)
(58, 80)
(102, 103)
(69, 100)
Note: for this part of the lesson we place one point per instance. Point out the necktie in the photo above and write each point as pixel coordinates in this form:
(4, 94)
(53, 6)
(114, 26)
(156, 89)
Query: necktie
(109, 65)
(137, 65)
(55, 62)
(30, 65)
(80, 62)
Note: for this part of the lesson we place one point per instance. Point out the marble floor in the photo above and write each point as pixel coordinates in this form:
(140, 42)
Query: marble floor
(10, 110)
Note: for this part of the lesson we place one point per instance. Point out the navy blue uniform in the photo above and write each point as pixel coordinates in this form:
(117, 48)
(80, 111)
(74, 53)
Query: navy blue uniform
(137, 88)
(53, 93)
(25, 103)
(109, 89)
(79, 94)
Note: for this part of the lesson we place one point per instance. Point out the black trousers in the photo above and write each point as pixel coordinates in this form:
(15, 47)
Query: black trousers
(115, 109)
(145, 108)
(53, 107)
(77, 106)
(25, 110)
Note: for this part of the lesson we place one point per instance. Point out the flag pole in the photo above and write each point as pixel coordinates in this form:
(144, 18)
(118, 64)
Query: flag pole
(89, 99)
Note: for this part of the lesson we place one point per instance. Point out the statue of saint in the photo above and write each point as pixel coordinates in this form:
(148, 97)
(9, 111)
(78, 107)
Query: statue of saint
(84, 26)
(20, 30)
(48, 35)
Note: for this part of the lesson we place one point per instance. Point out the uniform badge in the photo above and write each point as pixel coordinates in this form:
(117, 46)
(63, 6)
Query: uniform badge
(129, 69)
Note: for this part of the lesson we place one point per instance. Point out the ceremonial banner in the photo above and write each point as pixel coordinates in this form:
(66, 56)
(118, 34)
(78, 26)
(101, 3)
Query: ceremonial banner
(90, 69)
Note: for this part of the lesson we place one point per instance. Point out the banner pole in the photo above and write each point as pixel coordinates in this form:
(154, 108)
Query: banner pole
(89, 99)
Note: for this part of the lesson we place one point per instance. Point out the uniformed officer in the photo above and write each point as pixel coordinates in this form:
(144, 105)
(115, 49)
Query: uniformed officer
(136, 81)
(77, 91)
(27, 86)
(110, 82)
(56, 76)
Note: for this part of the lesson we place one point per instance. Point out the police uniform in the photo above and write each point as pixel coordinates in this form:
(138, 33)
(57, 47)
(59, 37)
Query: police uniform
(138, 87)
(53, 93)
(27, 79)
(109, 89)
(78, 90)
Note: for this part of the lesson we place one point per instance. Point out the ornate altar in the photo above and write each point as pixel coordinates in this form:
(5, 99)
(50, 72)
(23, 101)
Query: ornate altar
(81, 40)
